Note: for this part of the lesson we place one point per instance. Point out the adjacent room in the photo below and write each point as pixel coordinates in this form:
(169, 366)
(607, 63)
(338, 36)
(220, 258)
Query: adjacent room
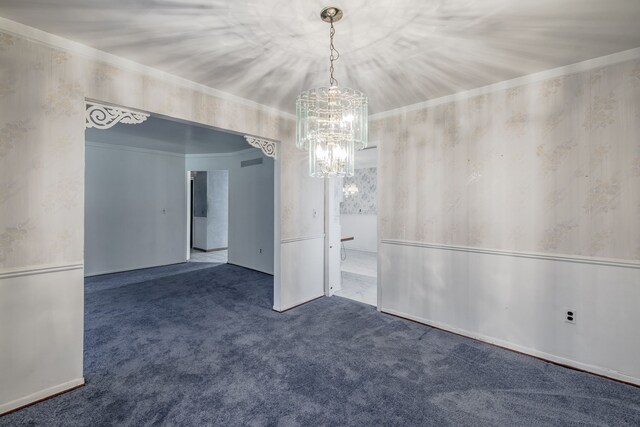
(165, 192)
(359, 231)
(269, 213)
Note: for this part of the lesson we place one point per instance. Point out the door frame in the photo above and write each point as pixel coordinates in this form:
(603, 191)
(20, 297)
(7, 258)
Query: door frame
(136, 116)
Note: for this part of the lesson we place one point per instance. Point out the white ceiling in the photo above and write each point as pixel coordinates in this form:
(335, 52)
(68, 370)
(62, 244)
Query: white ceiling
(161, 134)
(398, 52)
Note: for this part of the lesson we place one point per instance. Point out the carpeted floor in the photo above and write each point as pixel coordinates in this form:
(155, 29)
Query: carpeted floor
(177, 346)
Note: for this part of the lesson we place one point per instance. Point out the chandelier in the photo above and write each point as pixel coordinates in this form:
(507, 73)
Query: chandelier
(331, 122)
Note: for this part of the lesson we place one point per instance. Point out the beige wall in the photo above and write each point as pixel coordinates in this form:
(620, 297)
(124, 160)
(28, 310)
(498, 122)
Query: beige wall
(499, 212)
(42, 94)
(551, 167)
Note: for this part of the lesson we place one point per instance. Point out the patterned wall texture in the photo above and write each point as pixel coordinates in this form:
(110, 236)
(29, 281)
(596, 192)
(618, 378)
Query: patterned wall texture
(364, 201)
(42, 93)
(550, 167)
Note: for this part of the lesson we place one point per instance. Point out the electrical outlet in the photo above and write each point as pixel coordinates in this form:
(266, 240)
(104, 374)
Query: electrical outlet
(260, 250)
(570, 315)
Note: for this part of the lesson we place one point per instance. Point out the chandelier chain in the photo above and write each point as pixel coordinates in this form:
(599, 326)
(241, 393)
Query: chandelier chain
(334, 55)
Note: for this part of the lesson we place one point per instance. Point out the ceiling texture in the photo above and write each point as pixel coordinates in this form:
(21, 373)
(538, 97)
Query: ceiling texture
(398, 52)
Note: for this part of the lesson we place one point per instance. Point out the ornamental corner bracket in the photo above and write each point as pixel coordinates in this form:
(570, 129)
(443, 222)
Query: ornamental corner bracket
(101, 116)
(268, 147)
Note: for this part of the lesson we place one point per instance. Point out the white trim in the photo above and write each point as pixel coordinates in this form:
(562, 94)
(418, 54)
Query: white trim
(142, 267)
(508, 345)
(551, 257)
(39, 395)
(117, 147)
(233, 153)
(298, 303)
(277, 245)
(31, 271)
(85, 51)
(187, 205)
(301, 238)
(603, 61)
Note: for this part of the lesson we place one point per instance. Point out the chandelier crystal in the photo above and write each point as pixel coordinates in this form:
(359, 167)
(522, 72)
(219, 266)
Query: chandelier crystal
(331, 122)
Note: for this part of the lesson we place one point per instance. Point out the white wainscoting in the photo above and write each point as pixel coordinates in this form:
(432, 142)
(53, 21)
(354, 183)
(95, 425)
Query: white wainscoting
(304, 281)
(41, 331)
(518, 301)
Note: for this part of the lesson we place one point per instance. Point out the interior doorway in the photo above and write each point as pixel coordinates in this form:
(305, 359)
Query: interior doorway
(358, 230)
(140, 211)
(209, 216)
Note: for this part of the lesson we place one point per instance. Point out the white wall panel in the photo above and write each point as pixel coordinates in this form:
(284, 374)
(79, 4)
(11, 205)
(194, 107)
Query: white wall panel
(41, 333)
(519, 302)
(218, 209)
(200, 232)
(305, 279)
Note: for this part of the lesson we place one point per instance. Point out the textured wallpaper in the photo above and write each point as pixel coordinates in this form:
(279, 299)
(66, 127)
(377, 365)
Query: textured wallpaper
(550, 167)
(42, 93)
(364, 201)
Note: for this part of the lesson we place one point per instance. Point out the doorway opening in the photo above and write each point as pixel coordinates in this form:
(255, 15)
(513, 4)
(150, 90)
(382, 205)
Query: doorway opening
(209, 216)
(358, 230)
(167, 192)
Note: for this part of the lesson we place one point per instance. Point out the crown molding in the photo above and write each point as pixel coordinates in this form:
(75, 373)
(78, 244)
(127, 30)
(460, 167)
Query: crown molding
(51, 40)
(590, 64)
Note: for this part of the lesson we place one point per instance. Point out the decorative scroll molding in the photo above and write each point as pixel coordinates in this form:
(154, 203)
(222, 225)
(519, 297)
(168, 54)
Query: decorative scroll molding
(102, 116)
(268, 147)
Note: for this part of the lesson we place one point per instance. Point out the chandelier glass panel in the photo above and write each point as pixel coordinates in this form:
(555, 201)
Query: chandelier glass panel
(331, 122)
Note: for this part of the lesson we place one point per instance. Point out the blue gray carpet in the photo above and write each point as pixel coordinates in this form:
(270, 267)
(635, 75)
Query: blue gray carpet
(177, 346)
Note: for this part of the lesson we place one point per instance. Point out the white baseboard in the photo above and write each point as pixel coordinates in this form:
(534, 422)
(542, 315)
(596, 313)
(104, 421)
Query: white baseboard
(296, 304)
(518, 348)
(40, 395)
(112, 271)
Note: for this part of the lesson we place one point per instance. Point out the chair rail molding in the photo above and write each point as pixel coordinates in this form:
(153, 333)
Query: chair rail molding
(267, 146)
(101, 116)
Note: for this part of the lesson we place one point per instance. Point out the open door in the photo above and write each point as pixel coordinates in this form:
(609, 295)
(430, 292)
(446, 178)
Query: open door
(333, 196)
